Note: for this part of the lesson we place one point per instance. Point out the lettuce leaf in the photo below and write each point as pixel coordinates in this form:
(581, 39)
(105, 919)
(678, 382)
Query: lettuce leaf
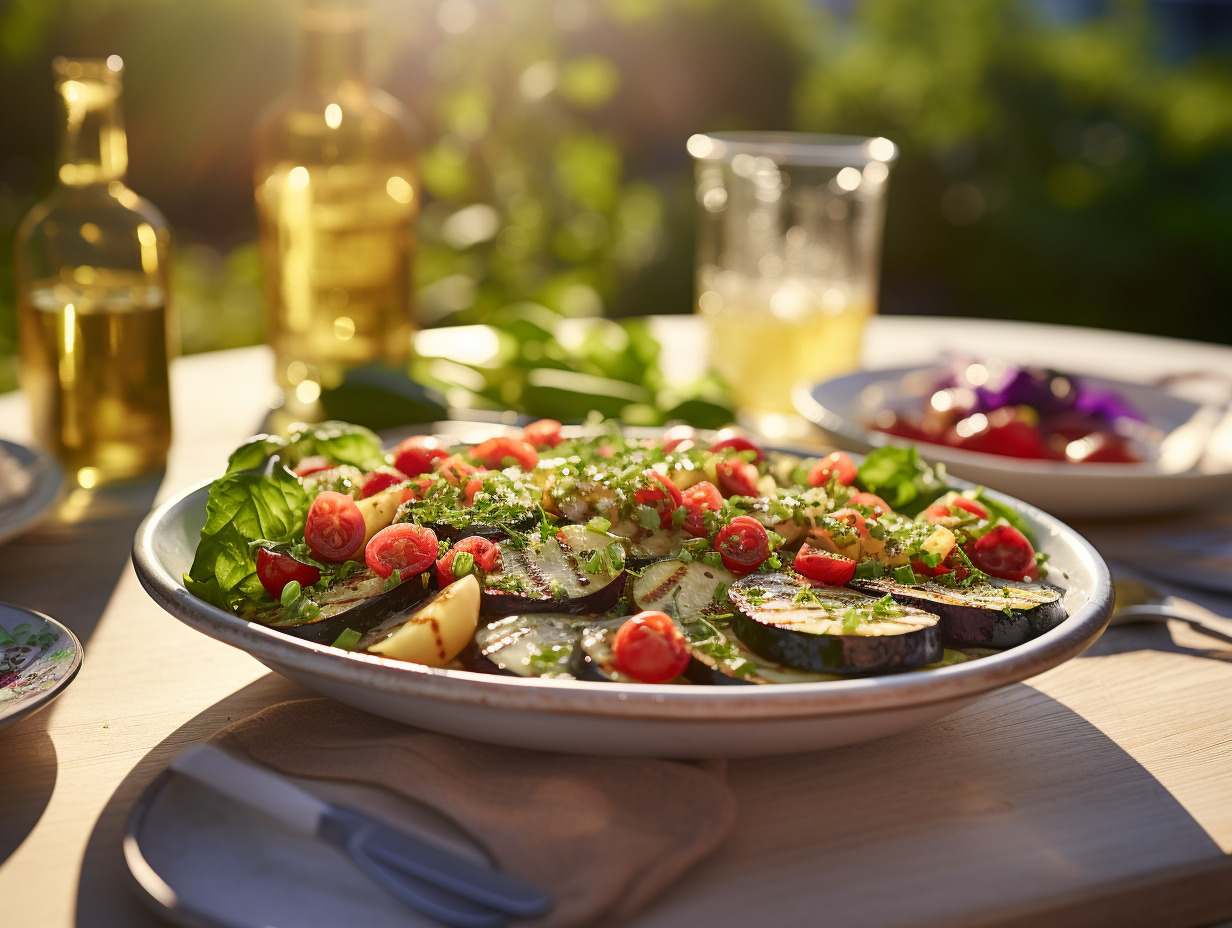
(902, 478)
(243, 508)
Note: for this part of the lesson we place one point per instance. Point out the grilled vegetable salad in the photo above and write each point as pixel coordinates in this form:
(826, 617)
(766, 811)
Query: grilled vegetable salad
(690, 559)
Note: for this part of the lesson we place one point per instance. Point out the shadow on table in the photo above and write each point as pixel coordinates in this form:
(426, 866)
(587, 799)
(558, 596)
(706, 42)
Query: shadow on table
(104, 896)
(1013, 800)
(27, 779)
(88, 538)
(1174, 637)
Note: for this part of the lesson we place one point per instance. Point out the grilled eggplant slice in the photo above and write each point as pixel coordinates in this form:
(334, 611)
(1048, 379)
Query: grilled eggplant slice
(785, 618)
(682, 590)
(722, 659)
(360, 603)
(575, 570)
(539, 644)
(985, 614)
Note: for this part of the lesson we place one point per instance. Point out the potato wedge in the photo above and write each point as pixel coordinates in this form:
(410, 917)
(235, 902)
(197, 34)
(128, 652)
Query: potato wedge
(435, 633)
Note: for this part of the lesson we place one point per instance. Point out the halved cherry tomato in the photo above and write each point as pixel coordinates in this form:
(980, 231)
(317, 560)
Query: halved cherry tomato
(486, 554)
(999, 432)
(313, 465)
(473, 486)
(736, 477)
(543, 433)
(277, 570)
(650, 648)
(870, 500)
(334, 529)
(700, 498)
(494, 452)
(456, 470)
(824, 567)
(839, 464)
(853, 518)
(377, 481)
(1102, 448)
(941, 510)
(742, 544)
(659, 494)
(405, 546)
(678, 435)
(924, 570)
(418, 488)
(738, 443)
(417, 455)
(1005, 553)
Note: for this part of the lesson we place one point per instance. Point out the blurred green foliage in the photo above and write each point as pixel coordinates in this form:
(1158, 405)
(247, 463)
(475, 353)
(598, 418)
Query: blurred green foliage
(1052, 172)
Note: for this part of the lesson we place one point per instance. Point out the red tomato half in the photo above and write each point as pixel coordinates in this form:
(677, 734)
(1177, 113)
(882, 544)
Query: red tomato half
(494, 453)
(650, 648)
(824, 567)
(485, 552)
(543, 433)
(378, 481)
(659, 494)
(737, 443)
(700, 498)
(277, 570)
(1005, 553)
(736, 477)
(742, 544)
(334, 529)
(418, 454)
(854, 519)
(838, 464)
(999, 432)
(406, 547)
(870, 500)
(941, 510)
(456, 470)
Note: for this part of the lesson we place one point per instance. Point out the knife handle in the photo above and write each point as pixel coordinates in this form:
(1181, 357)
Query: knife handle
(252, 786)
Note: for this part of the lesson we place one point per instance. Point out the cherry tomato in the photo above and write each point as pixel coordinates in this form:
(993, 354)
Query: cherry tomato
(925, 571)
(742, 544)
(700, 498)
(1000, 432)
(473, 486)
(313, 465)
(1005, 553)
(1101, 448)
(871, 501)
(678, 435)
(456, 470)
(493, 453)
(853, 518)
(277, 570)
(417, 455)
(941, 510)
(839, 464)
(334, 529)
(485, 552)
(650, 648)
(659, 494)
(543, 433)
(737, 443)
(736, 477)
(824, 567)
(418, 488)
(378, 481)
(405, 546)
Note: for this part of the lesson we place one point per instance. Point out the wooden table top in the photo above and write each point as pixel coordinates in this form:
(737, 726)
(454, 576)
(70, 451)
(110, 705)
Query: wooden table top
(1098, 792)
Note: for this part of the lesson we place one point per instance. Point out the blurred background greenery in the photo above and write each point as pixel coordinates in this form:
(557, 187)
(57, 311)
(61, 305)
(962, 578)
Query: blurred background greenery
(1062, 160)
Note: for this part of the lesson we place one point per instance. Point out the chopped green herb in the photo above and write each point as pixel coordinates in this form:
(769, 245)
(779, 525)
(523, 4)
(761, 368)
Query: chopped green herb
(463, 564)
(904, 575)
(290, 593)
(870, 570)
(599, 524)
(347, 639)
(646, 517)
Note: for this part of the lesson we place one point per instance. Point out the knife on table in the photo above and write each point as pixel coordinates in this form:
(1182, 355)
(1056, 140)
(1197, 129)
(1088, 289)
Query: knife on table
(430, 880)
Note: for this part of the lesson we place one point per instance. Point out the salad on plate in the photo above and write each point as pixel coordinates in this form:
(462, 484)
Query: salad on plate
(590, 554)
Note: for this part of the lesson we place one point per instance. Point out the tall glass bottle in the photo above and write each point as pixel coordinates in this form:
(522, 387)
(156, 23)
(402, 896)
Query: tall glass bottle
(336, 196)
(93, 265)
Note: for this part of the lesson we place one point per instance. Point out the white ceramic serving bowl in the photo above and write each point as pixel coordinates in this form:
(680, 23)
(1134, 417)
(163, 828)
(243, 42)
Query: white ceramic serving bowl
(631, 719)
(842, 407)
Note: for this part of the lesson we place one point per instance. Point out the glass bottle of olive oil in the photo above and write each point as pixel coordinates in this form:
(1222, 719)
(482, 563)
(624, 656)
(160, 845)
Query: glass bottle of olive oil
(336, 197)
(93, 265)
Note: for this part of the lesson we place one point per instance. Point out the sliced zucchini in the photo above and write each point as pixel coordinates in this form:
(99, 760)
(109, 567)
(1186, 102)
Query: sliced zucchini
(785, 618)
(991, 614)
(681, 590)
(536, 645)
(575, 570)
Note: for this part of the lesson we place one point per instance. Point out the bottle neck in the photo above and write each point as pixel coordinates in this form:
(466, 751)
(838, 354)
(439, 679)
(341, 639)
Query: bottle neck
(332, 42)
(93, 147)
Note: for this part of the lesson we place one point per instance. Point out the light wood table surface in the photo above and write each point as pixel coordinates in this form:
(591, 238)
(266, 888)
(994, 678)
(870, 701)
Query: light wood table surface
(1097, 793)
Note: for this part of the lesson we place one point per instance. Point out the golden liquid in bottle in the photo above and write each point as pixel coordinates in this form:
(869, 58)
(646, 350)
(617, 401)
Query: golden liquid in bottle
(341, 238)
(94, 365)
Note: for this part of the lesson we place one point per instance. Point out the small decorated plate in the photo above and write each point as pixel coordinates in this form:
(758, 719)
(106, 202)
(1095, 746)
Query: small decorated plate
(30, 484)
(38, 658)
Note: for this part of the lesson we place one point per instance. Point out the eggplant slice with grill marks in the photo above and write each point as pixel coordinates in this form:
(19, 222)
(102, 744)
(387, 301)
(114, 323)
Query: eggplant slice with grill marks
(985, 614)
(360, 603)
(787, 619)
(575, 570)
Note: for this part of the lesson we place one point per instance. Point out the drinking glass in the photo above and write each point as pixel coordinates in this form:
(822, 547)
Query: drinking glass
(788, 254)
